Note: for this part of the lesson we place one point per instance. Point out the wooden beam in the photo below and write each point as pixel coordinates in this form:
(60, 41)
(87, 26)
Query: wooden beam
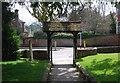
(74, 46)
(49, 44)
(30, 50)
(51, 53)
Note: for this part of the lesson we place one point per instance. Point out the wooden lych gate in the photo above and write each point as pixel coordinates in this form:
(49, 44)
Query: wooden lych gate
(67, 27)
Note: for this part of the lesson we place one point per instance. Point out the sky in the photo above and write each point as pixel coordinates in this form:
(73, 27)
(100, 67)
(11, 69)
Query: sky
(25, 16)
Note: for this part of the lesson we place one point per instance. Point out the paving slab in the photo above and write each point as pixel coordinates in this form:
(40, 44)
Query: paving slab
(64, 73)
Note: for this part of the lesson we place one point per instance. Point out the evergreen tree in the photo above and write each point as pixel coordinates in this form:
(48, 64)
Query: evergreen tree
(113, 24)
(10, 40)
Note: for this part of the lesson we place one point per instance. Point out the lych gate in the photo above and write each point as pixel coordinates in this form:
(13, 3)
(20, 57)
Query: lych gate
(67, 27)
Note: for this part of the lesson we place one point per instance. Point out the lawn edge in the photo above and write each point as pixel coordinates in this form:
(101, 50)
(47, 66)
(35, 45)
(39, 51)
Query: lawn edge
(86, 76)
(46, 73)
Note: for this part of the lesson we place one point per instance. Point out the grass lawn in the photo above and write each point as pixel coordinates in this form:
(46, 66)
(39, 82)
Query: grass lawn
(22, 70)
(104, 67)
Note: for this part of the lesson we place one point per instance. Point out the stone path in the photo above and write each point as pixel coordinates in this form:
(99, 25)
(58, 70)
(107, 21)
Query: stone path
(63, 69)
(64, 73)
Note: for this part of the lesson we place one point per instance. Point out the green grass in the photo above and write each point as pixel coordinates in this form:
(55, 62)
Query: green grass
(104, 67)
(22, 70)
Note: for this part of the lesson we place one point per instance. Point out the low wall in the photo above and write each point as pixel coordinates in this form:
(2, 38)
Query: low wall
(93, 51)
(37, 54)
(85, 52)
(111, 49)
(42, 54)
(112, 40)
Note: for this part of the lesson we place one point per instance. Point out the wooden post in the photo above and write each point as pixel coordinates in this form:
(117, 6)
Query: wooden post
(55, 45)
(30, 50)
(75, 47)
(84, 44)
(51, 54)
(80, 40)
(48, 45)
(50, 50)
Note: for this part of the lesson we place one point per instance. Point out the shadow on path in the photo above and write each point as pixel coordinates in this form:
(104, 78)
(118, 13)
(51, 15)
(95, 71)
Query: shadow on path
(64, 73)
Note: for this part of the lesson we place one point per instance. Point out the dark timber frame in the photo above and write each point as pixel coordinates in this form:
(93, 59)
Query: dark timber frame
(55, 27)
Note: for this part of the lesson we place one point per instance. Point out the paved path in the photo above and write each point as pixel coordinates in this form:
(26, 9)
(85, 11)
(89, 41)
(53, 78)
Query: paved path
(63, 69)
(63, 56)
(64, 73)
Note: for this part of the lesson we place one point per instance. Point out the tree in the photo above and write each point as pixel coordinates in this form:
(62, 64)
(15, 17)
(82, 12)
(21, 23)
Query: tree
(10, 40)
(113, 24)
(48, 11)
(92, 17)
(40, 34)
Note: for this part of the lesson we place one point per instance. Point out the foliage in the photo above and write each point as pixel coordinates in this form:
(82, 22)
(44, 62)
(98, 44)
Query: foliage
(113, 28)
(23, 70)
(113, 24)
(93, 17)
(7, 16)
(62, 36)
(40, 34)
(104, 67)
(92, 20)
(47, 11)
(85, 35)
(10, 40)
(10, 43)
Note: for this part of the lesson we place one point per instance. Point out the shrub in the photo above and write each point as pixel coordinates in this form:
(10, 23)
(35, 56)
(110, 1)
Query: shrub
(40, 35)
(62, 35)
(10, 40)
(113, 28)
(84, 35)
(10, 43)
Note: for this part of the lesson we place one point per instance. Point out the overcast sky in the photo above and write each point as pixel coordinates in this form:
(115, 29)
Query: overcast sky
(24, 15)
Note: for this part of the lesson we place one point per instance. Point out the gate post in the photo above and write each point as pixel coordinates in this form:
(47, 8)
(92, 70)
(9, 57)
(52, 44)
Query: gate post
(74, 47)
(49, 44)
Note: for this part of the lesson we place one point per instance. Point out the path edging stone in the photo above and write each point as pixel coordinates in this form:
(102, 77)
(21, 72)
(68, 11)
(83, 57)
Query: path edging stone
(87, 76)
(47, 72)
